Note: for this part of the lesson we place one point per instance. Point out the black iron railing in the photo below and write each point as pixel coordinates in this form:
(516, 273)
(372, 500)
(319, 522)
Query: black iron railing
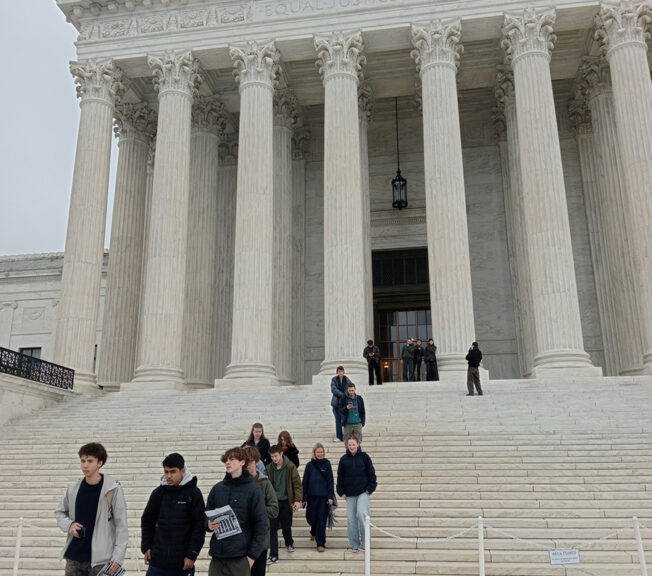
(23, 366)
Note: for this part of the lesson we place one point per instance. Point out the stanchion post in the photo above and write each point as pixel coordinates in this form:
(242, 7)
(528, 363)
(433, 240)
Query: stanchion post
(639, 545)
(367, 545)
(481, 546)
(19, 538)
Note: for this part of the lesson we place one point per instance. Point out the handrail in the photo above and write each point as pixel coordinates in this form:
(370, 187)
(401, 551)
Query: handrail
(35, 369)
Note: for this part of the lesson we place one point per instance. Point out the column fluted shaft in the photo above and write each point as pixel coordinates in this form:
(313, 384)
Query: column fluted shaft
(437, 51)
(365, 109)
(134, 126)
(201, 260)
(252, 337)
(555, 305)
(622, 34)
(284, 120)
(98, 84)
(161, 333)
(621, 283)
(340, 60)
(516, 232)
(580, 116)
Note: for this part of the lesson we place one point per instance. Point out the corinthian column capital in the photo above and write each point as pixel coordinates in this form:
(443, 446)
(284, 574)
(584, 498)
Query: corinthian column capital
(255, 63)
(286, 109)
(437, 43)
(134, 121)
(175, 72)
(504, 86)
(593, 76)
(209, 115)
(528, 33)
(99, 79)
(580, 114)
(626, 22)
(339, 54)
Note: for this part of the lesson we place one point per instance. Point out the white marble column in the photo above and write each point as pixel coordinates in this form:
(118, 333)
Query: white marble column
(366, 105)
(98, 85)
(256, 68)
(623, 39)
(509, 147)
(555, 306)
(596, 86)
(208, 122)
(135, 124)
(6, 322)
(285, 118)
(161, 333)
(226, 200)
(300, 153)
(437, 51)
(580, 116)
(340, 62)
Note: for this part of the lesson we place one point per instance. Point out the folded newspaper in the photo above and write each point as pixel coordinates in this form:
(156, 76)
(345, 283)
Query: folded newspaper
(229, 525)
(105, 570)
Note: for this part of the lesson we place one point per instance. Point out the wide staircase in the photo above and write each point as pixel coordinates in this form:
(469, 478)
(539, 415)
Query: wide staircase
(547, 465)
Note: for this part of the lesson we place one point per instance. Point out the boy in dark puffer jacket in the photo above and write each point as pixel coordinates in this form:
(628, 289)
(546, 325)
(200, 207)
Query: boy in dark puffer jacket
(172, 524)
(235, 554)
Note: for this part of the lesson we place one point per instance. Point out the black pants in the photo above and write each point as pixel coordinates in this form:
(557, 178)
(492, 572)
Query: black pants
(260, 565)
(417, 370)
(374, 366)
(433, 373)
(284, 520)
(317, 516)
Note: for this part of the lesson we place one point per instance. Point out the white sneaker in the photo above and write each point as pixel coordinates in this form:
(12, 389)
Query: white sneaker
(338, 440)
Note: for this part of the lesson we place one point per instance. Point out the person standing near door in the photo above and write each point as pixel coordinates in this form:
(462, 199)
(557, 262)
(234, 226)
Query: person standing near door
(372, 354)
(407, 357)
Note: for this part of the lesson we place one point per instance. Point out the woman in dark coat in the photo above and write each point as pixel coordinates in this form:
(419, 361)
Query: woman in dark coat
(318, 494)
(258, 440)
(430, 356)
(288, 447)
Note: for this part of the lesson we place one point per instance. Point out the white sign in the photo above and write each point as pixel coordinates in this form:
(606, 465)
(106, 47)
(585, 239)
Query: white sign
(562, 557)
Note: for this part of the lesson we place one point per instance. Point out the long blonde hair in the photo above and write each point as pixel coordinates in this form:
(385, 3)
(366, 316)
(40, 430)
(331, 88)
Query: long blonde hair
(315, 447)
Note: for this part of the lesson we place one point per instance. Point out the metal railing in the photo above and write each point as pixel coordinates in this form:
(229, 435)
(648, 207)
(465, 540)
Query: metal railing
(23, 366)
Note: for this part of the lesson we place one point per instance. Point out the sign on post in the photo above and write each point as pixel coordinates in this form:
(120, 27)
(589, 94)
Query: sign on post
(563, 557)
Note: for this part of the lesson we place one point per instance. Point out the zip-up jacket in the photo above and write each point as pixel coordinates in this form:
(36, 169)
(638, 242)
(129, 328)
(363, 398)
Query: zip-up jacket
(343, 410)
(355, 474)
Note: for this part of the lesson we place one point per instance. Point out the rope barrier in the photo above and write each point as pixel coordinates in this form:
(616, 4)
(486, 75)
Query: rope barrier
(424, 540)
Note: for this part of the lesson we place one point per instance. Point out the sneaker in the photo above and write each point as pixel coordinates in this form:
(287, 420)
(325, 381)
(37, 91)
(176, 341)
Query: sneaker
(272, 560)
(338, 440)
(321, 549)
(290, 548)
(355, 550)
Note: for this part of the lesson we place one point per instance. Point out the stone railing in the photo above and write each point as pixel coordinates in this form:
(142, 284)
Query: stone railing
(23, 366)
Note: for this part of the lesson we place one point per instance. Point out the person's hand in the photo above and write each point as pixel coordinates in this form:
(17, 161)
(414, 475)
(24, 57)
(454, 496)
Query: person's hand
(214, 524)
(251, 562)
(74, 529)
(147, 556)
(296, 506)
(188, 563)
(113, 568)
(349, 406)
(330, 501)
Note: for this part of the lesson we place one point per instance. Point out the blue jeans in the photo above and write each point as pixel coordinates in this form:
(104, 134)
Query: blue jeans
(338, 424)
(408, 370)
(357, 507)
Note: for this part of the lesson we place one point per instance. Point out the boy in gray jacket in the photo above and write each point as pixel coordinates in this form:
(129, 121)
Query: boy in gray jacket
(93, 513)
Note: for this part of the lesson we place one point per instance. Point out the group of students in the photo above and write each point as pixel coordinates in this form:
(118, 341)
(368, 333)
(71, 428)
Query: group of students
(243, 511)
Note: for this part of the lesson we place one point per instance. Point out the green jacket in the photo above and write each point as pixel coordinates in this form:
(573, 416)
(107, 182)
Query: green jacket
(294, 487)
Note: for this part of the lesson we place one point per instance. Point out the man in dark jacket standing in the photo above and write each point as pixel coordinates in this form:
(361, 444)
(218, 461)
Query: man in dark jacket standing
(338, 391)
(172, 525)
(474, 357)
(354, 415)
(372, 353)
(356, 481)
(234, 551)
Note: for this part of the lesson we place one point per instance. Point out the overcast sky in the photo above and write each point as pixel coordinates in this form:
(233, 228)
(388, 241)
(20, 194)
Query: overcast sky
(39, 127)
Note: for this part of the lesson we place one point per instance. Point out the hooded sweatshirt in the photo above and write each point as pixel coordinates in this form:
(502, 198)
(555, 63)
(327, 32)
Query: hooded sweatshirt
(172, 524)
(110, 535)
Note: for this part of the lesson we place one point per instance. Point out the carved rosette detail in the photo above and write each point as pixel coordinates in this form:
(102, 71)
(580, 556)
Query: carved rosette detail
(209, 115)
(175, 72)
(365, 101)
(339, 54)
(286, 109)
(134, 121)
(531, 32)
(593, 77)
(624, 23)
(436, 44)
(99, 80)
(255, 63)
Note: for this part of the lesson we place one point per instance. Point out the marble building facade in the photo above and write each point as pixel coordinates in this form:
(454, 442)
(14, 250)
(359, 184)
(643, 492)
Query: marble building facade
(256, 150)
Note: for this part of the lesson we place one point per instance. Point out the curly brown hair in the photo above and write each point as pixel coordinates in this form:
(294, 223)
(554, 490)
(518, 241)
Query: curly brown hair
(94, 449)
(237, 453)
